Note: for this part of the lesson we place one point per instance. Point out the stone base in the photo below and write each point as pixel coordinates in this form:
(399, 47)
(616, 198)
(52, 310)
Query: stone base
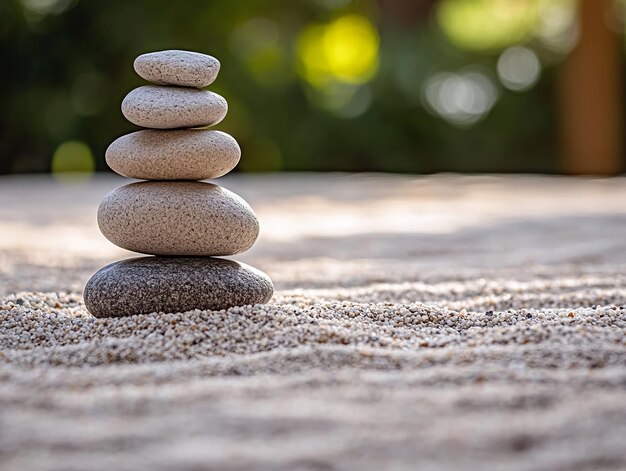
(174, 284)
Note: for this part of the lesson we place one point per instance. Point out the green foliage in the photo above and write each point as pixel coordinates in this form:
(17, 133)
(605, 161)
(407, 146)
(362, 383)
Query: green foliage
(67, 65)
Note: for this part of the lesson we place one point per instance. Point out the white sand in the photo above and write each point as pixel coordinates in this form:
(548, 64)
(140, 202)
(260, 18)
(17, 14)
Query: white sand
(435, 323)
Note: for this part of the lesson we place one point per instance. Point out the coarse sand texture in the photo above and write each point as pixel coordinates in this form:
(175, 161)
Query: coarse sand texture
(459, 323)
(175, 216)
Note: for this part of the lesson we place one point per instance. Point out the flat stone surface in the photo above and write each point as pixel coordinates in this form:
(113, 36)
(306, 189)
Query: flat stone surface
(188, 154)
(161, 284)
(160, 107)
(175, 67)
(178, 218)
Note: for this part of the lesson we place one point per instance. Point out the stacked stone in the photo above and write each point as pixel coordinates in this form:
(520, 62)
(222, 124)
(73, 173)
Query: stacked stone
(181, 222)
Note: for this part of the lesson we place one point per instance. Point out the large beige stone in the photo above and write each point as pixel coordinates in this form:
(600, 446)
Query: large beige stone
(189, 154)
(154, 106)
(178, 218)
(173, 67)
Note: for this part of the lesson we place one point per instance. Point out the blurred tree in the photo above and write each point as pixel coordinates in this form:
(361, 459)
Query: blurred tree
(592, 102)
(387, 85)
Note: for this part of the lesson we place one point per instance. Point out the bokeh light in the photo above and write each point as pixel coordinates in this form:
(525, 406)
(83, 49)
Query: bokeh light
(557, 28)
(487, 24)
(344, 50)
(496, 24)
(519, 68)
(344, 100)
(257, 43)
(72, 158)
(44, 7)
(462, 98)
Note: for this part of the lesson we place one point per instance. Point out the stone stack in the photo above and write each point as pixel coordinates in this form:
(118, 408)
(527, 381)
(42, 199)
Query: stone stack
(181, 222)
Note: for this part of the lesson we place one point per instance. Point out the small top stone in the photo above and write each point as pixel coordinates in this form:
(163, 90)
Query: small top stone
(181, 68)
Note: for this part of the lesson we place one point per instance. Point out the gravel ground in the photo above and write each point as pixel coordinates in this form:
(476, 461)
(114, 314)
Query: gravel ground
(427, 323)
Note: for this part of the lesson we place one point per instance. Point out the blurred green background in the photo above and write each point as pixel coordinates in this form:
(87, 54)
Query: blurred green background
(361, 85)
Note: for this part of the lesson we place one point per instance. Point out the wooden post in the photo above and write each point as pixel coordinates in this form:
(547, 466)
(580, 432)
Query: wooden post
(592, 103)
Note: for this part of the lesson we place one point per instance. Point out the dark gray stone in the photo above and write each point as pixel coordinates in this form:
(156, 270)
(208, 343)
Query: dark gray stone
(162, 284)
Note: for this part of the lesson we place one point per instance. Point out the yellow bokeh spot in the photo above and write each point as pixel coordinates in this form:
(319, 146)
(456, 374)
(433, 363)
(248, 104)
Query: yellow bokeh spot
(488, 24)
(344, 50)
(73, 157)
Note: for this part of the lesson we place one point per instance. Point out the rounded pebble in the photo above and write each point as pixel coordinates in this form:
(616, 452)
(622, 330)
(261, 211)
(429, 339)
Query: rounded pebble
(182, 68)
(159, 107)
(189, 154)
(158, 284)
(178, 218)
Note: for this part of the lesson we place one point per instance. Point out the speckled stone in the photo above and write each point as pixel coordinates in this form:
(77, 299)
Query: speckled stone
(190, 154)
(178, 218)
(160, 284)
(158, 107)
(182, 68)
